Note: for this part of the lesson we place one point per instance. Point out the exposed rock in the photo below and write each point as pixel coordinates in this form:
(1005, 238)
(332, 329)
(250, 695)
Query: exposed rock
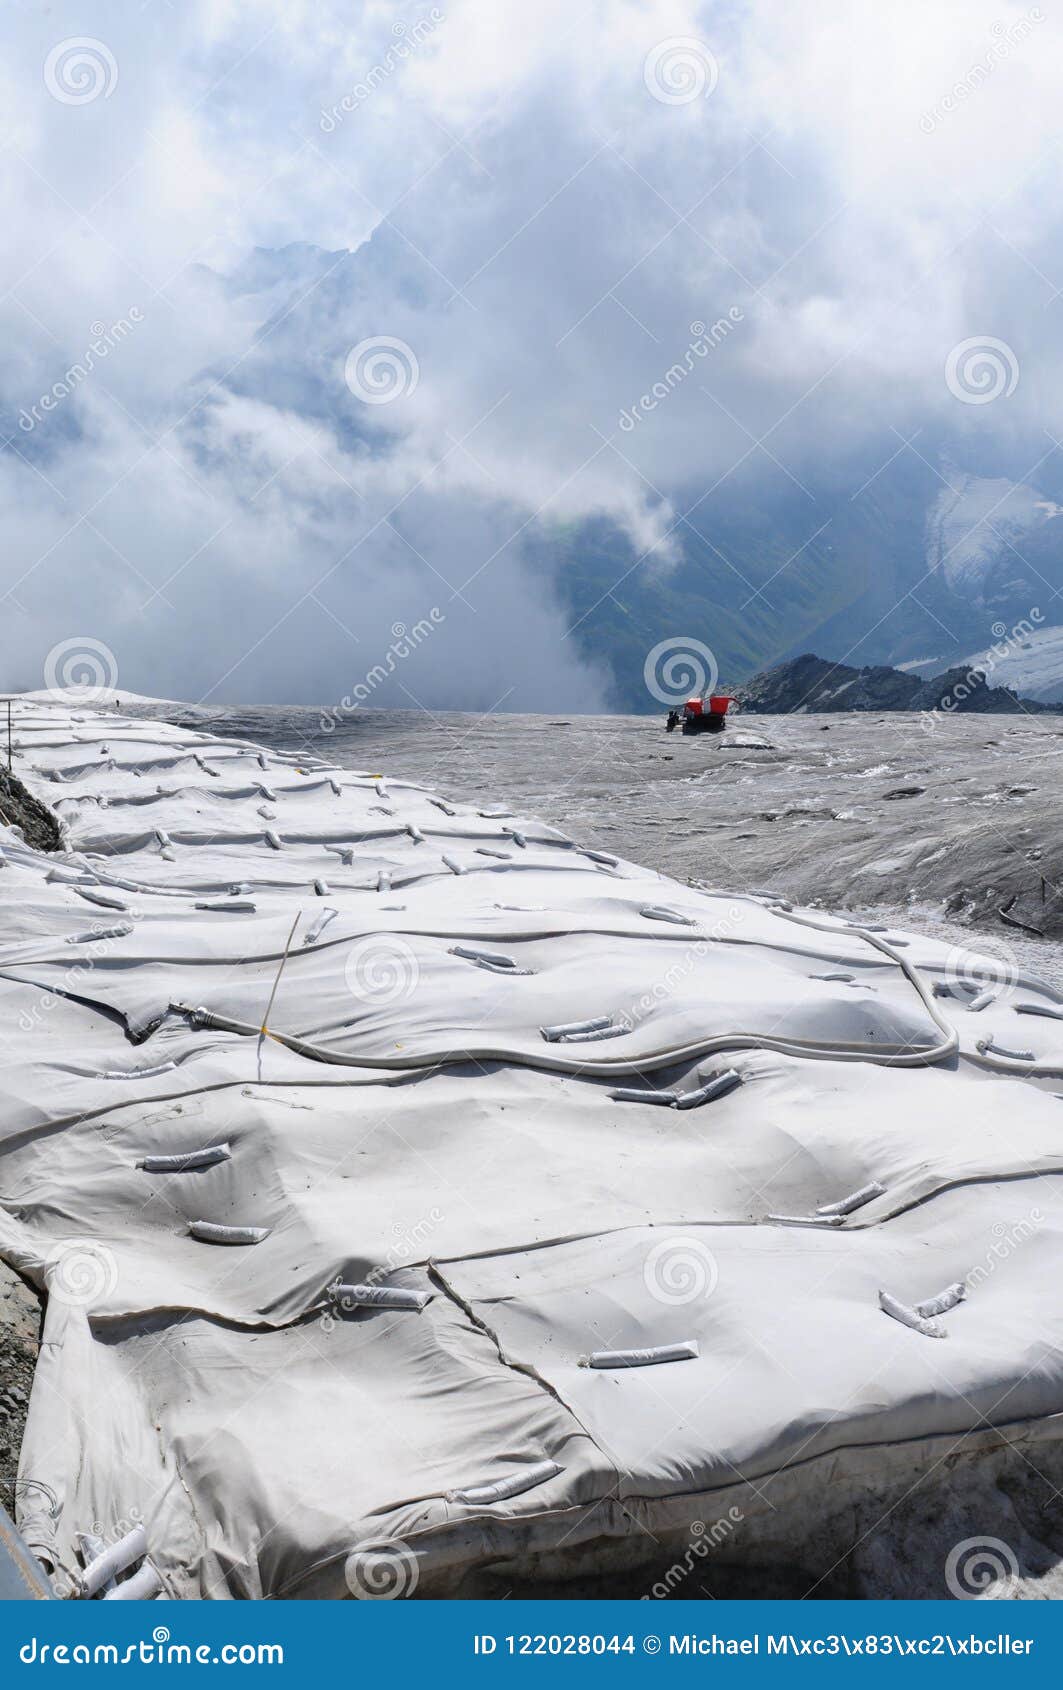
(19, 808)
(811, 684)
(20, 1318)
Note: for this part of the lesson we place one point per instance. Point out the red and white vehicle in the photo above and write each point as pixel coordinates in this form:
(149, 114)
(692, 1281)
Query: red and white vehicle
(702, 715)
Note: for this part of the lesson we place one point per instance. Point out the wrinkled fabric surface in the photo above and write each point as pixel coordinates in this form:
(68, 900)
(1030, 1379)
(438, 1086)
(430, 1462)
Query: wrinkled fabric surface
(321, 976)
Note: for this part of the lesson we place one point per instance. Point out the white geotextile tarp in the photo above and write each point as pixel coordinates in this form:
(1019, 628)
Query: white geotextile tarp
(412, 1120)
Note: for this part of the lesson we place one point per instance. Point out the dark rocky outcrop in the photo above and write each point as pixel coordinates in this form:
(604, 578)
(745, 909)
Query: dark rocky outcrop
(19, 808)
(811, 684)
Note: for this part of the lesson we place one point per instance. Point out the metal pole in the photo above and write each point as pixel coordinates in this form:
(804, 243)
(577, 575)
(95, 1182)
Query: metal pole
(9, 736)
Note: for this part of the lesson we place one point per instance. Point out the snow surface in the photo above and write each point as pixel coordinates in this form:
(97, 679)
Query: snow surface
(973, 523)
(402, 1108)
(1031, 666)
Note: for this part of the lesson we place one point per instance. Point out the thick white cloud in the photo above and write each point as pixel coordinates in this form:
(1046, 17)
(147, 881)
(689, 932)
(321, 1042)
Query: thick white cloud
(853, 192)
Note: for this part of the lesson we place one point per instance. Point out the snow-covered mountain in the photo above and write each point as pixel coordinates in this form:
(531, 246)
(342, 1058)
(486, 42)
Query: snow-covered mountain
(976, 531)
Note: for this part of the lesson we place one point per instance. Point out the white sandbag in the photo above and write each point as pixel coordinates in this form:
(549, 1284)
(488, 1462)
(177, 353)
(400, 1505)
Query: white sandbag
(658, 912)
(311, 936)
(132, 1547)
(187, 1161)
(104, 899)
(569, 1029)
(524, 1479)
(807, 1220)
(635, 1094)
(855, 1200)
(119, 932)
(685, 1351)
(210, 1232)
(379, 1297)
(718, 1086)
(943, 1302)
(141, 1586)
(910, 1316)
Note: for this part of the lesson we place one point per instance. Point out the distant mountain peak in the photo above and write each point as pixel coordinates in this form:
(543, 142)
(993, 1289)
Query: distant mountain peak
(810, 685)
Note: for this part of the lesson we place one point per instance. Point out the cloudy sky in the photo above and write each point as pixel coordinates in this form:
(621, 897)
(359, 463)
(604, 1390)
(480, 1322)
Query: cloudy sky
(381, 292)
